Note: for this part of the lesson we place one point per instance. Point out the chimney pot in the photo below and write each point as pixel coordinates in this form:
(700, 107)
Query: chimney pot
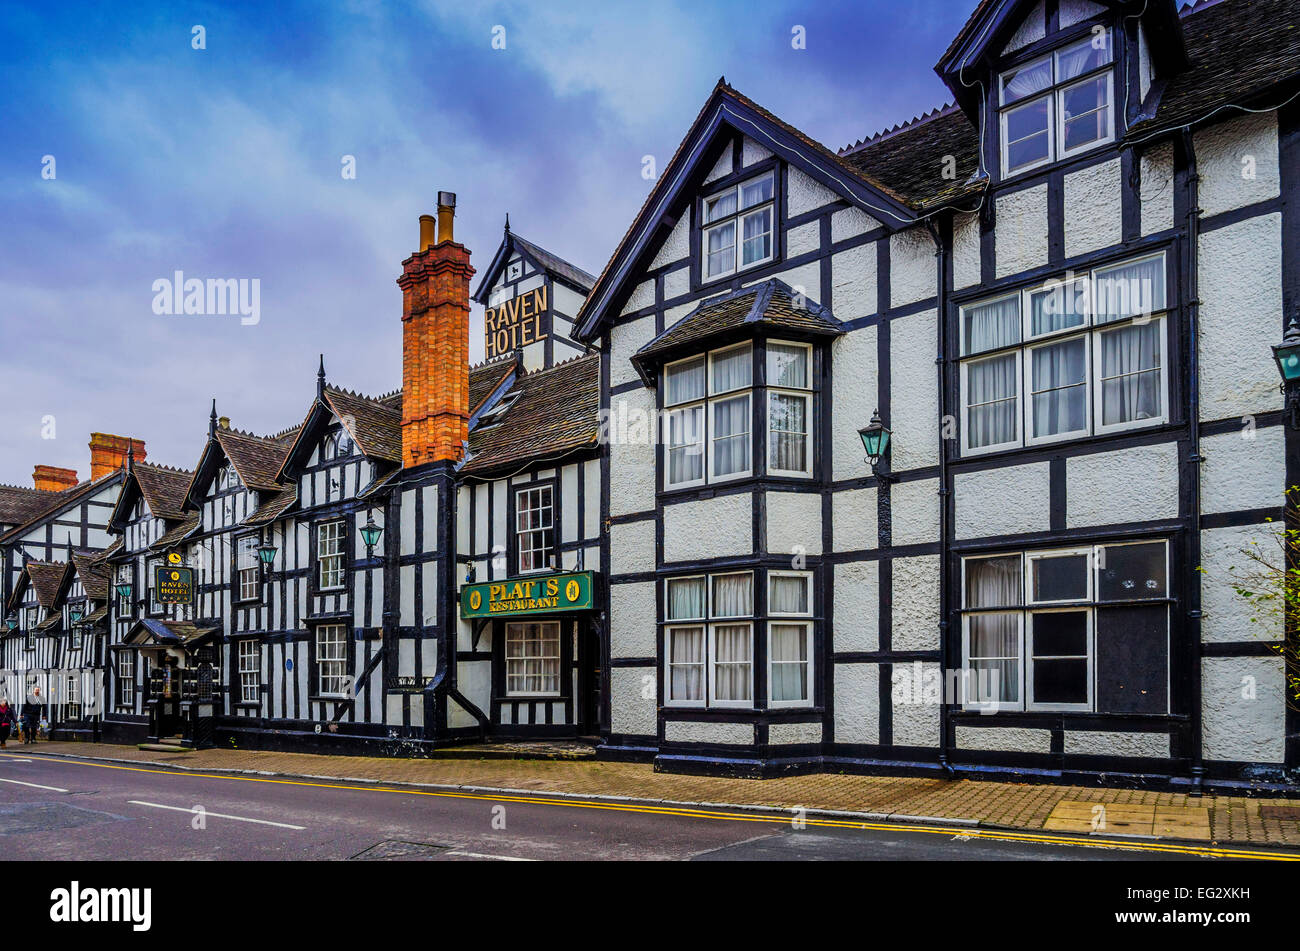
(446, 216)
(428, 232)
(224, 422)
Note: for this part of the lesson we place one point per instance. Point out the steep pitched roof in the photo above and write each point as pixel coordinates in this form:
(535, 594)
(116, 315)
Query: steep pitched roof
(257, 459)
(178, 533)
(46, 578)
(163, 487)
(1239, 50)
(486, 378)
(272, 507)
(555, 265)
(19, 504)
(93, 572)
(60, 501)
(375, 425)
(772, 304)
(911, 157)
(554, 411)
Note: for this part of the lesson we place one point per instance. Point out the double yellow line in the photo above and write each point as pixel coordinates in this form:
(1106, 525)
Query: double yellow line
(959, 832)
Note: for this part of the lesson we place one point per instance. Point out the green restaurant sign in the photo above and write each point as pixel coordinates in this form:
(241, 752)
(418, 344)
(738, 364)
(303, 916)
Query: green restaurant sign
(542, 594)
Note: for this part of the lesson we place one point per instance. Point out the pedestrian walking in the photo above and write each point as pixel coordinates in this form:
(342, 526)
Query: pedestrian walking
(7, 718)
(32, 714)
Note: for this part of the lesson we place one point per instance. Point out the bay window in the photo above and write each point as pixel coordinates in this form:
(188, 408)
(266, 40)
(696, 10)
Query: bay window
(1057, 106)
(1084, 629)
(789, 408)
(789, 640)
(1088, 353)
(738, 226)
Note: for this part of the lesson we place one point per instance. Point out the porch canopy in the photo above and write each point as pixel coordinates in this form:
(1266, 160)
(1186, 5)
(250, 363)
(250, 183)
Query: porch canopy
(157, 639)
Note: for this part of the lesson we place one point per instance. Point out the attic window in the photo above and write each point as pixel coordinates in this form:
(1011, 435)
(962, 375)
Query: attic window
(1059, 105)
(740, 216)
(497, 413)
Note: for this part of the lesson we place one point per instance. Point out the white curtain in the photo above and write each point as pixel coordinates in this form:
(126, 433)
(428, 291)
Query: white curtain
(788, 431)
(732, 666)
(1027, 81)
(991, 389)
(722, 248)
(789, 650)
(1130, 369)
(731, 435)
(994, 645)
(1060, 394)
(686, 599)
(733, 595)
(720, 207)
(1130, 289)
(1057, 308)
(788, 594)
(686, 663)
(787, 365)
(686, 445)
(733, 370)
(756, 192)
(684, 383)
(1082, 58)
(992, 325)
(757, 233)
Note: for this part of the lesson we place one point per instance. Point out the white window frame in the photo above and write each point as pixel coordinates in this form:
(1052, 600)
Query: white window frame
(1054, 94)
(31, 618)
(558, 658)
(713, 664)
(248, 589)
(709, 623)
(669, 700)
(980, 706)
(250, 671)
(72, 697)
(808, 591)
(325, 636)
(326, 561)
(125, 678)
(1027, 649)
(801, 619)
(1091, 331)
(737, 219)
(151, 567)
(1030, 557)
(706, 402)
(806, 394)
(547, 554)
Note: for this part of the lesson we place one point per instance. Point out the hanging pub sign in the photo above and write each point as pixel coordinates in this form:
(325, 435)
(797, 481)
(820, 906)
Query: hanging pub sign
(516, 323)
(173, 582)
(542, 594)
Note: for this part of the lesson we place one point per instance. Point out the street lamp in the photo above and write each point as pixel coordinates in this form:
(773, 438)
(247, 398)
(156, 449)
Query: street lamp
(370, 533)
(74, 615)
(875, 440)
(11, 622)
(266, 555)
(124, 591)
(1287, 356)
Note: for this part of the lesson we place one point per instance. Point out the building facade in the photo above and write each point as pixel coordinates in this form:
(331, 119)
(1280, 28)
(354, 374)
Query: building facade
(647, 518)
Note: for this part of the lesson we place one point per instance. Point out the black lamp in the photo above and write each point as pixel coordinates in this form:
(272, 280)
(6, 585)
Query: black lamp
(370, 533)
(124, 591)
(1287, 356)
(875, 440)
(266, 555)
(11, 622)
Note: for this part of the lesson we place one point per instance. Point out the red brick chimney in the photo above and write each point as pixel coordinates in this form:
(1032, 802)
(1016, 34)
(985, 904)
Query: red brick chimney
(108, 453)
(53, 479)
(435, 342)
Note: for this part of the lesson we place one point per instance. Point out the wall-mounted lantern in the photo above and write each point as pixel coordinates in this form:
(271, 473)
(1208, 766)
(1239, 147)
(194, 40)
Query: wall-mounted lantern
(266, 553)
(11, 622)
(370, 533)
(124, 591)
(875, 440)
(1287, 356)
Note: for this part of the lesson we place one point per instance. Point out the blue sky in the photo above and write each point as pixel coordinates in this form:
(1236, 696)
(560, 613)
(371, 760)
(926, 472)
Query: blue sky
(225, 163)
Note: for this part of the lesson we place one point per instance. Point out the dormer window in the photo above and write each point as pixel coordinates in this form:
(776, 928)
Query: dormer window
(1059, 105)
(737, 225)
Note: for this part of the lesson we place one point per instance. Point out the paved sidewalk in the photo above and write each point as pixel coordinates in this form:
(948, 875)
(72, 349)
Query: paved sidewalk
(1040, 807)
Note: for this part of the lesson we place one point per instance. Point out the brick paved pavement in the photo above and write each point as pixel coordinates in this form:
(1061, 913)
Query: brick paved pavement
(1016, 805)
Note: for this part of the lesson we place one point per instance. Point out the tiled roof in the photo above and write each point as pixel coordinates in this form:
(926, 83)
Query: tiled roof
(555, 264)
(257, 459)
(272, 506)
(46, 576)
(486, 377)
(1239, 49)
(164, 488)
(177, 533)
(911, 157)
(57, 501)
(554, 411)
(19, 504)
(374, 423)
(771, 304)
(94, 574)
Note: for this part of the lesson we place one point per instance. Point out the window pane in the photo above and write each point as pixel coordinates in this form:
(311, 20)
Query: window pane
(1059, 382)
(685, 599)
(686, 445)
(1126, 290)
(1061, 634)
(757, 232)
(1058, 307)
(992, 388)
(787, 365)
(731, 435)
(686, 664)
(991, 324)
(788, 432)
(1128, 572)
(1059, 577)
(994, 658)
(732, 669)
(756, 192)
(1133, 659)
(1130, 373)
(1027, 133)
(720, 207)
(733, 595)
(1086, 108)
(722, 249)
(993, 582)
(1026, 80)
(684, 382)
(732, 369)
(1083, 57)
(1060, 681)
(788, 652)
(788, 594)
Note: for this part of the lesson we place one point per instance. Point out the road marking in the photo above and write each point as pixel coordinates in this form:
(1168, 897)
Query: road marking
(218, 815)
(682, 812)
(33, 785)
(480, 855)
(16, 759)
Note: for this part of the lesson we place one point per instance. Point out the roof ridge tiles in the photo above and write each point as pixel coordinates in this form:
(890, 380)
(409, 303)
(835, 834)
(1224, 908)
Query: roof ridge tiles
(934, 113)
(529, 374)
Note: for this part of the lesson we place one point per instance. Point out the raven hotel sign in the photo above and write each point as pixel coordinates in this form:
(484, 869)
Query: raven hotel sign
(515, 323)
(173, 582)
